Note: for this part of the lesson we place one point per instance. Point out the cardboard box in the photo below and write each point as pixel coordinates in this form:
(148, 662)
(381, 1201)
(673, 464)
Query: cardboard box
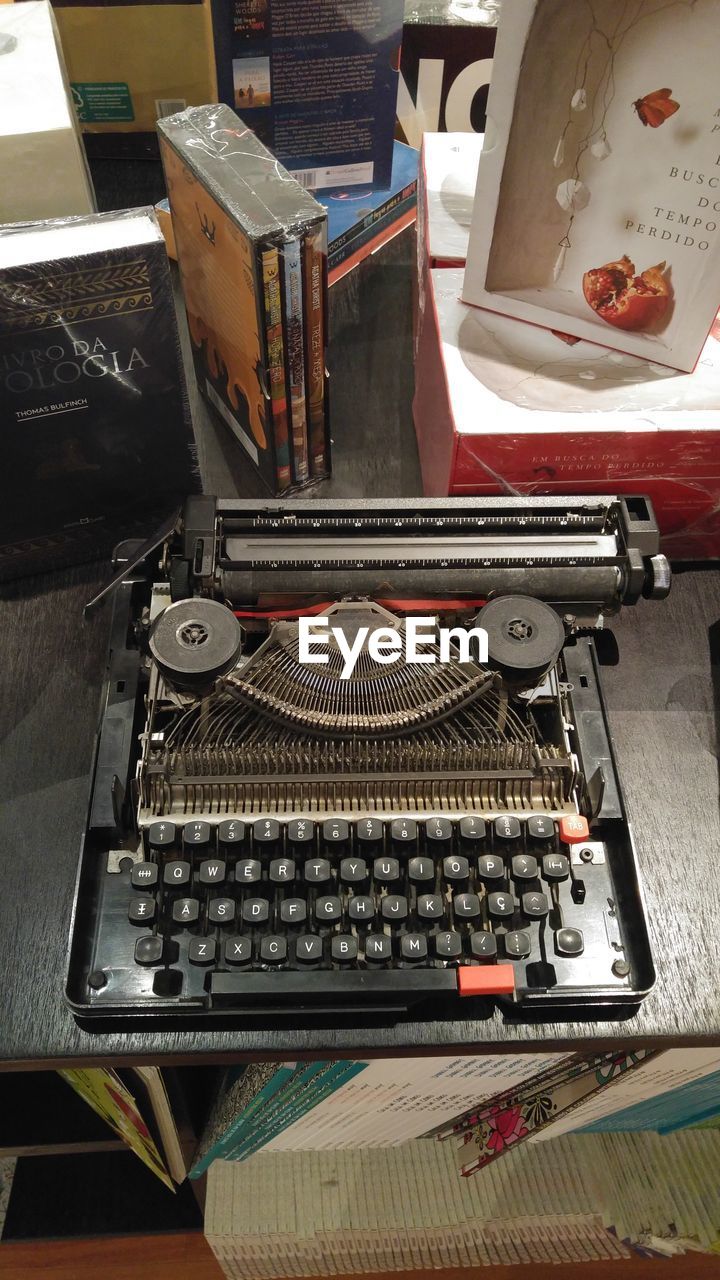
(503, 407)
(40, 143)
(598, 202)
(132, 64)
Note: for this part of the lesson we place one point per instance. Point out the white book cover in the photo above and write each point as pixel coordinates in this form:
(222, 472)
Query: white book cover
(598, 198)
(509, 378)
(449, 166)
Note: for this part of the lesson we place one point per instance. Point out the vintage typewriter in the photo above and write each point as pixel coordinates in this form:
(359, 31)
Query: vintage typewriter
(271, 837)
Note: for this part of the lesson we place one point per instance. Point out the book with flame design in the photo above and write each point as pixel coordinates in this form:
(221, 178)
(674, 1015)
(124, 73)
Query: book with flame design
(98, 441)
(233, 207)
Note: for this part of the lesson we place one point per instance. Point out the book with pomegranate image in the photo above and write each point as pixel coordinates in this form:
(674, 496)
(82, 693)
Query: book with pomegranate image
(598, 199)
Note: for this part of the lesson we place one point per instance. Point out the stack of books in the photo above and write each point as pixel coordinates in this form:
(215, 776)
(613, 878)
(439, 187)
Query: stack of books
(252, 250)
(582, 1198)
(480, 1107)
(327, 1105)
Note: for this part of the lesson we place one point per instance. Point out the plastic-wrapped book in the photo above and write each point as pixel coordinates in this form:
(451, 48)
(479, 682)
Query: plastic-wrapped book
(39, 138)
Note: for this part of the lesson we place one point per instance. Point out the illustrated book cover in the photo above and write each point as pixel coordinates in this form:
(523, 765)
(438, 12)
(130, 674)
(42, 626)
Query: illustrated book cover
(598, 196)
(98, 438)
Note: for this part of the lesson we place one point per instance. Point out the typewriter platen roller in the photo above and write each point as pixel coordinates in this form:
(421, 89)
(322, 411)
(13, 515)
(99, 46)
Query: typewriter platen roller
(270, 836)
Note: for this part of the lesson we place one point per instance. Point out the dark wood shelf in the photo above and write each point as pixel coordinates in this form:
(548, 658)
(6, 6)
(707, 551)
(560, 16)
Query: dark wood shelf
(41, 1114)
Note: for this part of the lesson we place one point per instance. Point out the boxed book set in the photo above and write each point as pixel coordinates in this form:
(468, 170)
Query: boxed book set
(252, 250)
(594, 224)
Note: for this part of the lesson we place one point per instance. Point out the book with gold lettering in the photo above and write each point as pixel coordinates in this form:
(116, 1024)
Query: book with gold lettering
(98, 442)
(597, 209)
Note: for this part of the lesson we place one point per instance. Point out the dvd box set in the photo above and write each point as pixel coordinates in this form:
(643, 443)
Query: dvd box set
(252, 251)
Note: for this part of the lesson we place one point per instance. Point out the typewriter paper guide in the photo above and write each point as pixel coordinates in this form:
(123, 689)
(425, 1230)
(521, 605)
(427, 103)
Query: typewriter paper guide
(587, 160)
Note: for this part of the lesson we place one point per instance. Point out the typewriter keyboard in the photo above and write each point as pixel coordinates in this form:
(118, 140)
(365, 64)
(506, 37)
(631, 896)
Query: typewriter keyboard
(482, 906)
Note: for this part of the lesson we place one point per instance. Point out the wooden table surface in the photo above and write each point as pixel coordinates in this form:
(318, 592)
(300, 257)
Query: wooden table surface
(663, 698)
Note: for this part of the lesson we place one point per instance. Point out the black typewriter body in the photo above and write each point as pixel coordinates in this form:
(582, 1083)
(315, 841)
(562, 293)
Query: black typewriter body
(269, 840)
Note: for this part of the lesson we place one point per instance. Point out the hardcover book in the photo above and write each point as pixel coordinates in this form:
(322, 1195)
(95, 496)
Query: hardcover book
(598, 194)
(276, 359)
(317, 83)
(232, 203)
(505, 407)
(295, 329)
(98, 441)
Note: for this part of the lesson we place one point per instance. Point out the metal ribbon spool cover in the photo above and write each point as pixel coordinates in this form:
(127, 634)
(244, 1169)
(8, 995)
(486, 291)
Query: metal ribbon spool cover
(193, 642)
(525, 637)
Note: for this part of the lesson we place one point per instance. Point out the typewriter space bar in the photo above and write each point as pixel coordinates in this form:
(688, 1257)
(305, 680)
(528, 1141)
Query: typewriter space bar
(317, 988)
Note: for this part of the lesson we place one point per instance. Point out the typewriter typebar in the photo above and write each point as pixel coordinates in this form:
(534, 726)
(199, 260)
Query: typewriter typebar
(377, 837)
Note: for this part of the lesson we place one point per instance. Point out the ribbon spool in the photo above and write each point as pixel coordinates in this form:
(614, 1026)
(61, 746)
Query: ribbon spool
(525, 638)
(194, 642)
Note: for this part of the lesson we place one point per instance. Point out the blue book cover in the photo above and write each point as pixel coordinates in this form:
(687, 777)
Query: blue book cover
(268, 1119)
(295, 348)
(358, 214)
(691, 1103)
(316, 82)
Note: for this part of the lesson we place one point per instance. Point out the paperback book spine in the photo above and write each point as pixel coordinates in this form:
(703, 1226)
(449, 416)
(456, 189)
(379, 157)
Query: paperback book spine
(338, 254)
(310, 1093)
(558, 1072)
(340, 247)
(237, 1130)
(294, 334)
(514, 1122)
(315, 270)
(276, 365)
